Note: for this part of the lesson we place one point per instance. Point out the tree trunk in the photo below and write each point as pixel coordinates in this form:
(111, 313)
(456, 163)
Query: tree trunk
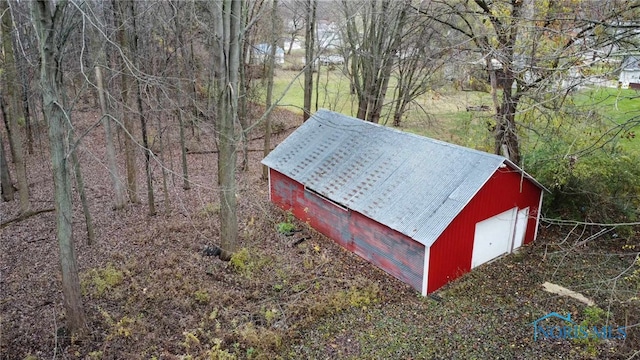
(182, 68)
(183, 154)
(129, 145)
(6, 185)
(374, 33)
(141, 114)
(48, 19)
(165, 188)
(22, 67)
(159, 130)
(243, 118)
(309, 54)
(194, 94)
(270, 74)
(13, 110)
(228, 27)
(111, 152)
(293, 38)
(91, 234)
(506, 135)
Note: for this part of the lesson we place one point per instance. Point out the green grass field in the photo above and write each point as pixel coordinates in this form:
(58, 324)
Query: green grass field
(442, 114)
(617, 107)
(433, 114)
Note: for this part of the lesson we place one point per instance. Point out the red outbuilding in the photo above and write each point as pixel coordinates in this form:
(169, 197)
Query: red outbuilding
(423, 210)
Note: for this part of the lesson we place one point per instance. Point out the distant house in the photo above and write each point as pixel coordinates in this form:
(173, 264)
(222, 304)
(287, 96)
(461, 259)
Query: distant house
(630, 72)
(327, 60)
(328, 35)
(423, 210)
(261, 53)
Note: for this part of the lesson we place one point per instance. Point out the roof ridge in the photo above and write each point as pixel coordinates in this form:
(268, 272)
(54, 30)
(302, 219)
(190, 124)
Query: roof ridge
(409, 134)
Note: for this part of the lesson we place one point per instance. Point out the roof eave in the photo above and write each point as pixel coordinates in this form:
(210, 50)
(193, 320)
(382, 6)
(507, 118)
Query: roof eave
(524, 174)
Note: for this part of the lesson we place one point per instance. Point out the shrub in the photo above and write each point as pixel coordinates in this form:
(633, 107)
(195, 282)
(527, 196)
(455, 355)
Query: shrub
(247, 263)
(202, 296)
(602, 185)
(590, 175)
(209, 210)
(98, 281)
(286, 228)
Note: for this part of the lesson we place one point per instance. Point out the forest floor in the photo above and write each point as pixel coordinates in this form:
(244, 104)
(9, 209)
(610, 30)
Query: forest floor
(150, 291)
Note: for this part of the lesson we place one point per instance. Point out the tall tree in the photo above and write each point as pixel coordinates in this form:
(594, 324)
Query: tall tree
(423, 50)
(183, 69)
(309, 55)
(135, 46)
(11, 97)
(227, 24)
(84, 201)
(48, 20)
(120, 14)
(111, 152)
(528, 45)
(270, 75)
(294, 15)
(6, 185)
(373, 35)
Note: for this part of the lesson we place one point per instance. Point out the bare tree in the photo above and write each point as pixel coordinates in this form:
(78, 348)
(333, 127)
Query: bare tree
(84, 201)
(141, 110)
(11, 99)
(270, 75)
(423, 50)
(6, 185)
(119, 14)
(48, 20)
(101, 67)
(183, 70)
(373, 34)
(309, 55)
(227, 24)
(111, 153)
(294, 12)
(527, 49)
(251, 34)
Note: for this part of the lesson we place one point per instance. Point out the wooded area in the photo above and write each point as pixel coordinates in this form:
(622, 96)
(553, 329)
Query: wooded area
(104, 102)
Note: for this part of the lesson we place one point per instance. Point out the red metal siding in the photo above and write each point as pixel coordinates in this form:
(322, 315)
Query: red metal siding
(450, 255)
(396, 253)
(393, 252)
(322, 215)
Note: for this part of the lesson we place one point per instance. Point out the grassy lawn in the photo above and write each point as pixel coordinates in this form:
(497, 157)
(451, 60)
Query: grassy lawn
(333, 91)
(487, 314)
(616, 106)
(434, 114)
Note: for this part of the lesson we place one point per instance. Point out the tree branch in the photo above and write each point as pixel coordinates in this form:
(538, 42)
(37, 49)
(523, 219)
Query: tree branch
(24, 216)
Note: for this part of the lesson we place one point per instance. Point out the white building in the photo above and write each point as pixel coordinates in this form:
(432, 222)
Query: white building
(262, 51)
(630, 72)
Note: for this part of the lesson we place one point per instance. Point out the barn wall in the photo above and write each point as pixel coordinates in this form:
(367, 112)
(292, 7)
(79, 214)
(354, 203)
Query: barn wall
(393, 252)
(397, 254)
(322, 215)
(451, 253)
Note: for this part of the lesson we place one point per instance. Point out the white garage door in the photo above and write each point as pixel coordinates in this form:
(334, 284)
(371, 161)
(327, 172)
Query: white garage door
(493, 237)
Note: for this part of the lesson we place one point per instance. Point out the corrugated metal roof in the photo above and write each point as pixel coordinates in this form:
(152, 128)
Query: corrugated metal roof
(412, 184)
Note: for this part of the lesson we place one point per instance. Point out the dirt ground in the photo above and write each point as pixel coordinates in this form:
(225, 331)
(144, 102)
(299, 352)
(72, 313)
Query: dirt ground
(151, 292)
